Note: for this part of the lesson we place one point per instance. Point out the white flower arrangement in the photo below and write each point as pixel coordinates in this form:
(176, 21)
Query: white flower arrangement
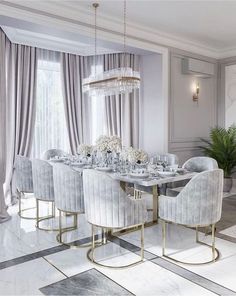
(124, 155)
(85, 150)
(108, 144)
(135, 155)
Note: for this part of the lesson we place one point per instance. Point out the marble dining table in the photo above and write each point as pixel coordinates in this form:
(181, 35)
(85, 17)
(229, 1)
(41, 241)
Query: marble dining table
(151, 182)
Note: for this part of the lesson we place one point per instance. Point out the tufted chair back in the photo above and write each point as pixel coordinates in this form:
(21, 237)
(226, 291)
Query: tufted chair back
(198, 204)
(23, 173)
(68, 189)
(43, 180)
(51, 153)
(200, 164)
(107, 204)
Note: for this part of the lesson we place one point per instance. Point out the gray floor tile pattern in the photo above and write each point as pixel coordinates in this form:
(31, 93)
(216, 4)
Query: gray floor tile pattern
(90, 282)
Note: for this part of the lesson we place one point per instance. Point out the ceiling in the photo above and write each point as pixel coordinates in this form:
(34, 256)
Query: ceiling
(205, 27)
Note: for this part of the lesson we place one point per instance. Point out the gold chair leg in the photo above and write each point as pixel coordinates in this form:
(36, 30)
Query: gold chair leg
(197, 235)
(37, 213)
(142, 242)
(163, 237)
(62, 230)
(53, 209)
(21, 211)
(215, 251)
(93, 243)
(91, 251)
(40, 219)
(19, 194)
(213, 242)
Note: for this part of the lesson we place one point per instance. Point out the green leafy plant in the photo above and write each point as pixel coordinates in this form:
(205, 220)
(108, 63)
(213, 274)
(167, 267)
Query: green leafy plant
(222, 147)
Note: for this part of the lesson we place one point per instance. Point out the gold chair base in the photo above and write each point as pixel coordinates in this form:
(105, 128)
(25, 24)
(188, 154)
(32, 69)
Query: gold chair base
(24, 210)
(26, 217)
(40, 219)
(90, 253)
(215, 251)
(67, 229)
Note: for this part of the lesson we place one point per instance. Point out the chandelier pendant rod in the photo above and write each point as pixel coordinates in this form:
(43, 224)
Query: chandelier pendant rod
(95, 5)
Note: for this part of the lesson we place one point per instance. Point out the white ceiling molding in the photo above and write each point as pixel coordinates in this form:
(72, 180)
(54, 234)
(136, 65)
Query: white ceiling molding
(63, 16)
(53, 43)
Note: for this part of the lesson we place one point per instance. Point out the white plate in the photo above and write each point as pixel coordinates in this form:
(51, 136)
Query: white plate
(167, 174)
(141, 176)
(104, 169)
(77, 164)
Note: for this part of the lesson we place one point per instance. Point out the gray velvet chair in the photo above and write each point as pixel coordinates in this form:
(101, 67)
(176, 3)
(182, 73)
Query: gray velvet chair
(51, 153)
(195, 164)
(43, 188)
(69, 196)
(24, 181)
(107, 206)
(199, 204)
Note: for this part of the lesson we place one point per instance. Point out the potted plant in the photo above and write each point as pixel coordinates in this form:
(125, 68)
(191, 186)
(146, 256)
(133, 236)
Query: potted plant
(222, 147)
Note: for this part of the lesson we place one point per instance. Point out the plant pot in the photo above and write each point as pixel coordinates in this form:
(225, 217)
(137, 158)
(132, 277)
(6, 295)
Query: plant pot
(228, 182)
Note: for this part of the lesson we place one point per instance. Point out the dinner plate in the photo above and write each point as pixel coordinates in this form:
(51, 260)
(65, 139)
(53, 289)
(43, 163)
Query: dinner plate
(167, 174)
(140, 176)
(77, 164)
(104, 169)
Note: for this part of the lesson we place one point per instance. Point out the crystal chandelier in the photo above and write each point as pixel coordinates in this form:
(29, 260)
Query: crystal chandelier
(112, 82)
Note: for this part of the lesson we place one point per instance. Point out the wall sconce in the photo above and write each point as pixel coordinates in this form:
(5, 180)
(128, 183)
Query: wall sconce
(196, 93)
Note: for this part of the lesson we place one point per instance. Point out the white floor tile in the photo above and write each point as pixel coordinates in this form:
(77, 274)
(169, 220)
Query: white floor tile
(27, 278)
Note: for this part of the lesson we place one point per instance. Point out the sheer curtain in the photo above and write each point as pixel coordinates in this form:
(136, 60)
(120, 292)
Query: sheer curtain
(4, 44)
(50, 125)
(84, 114)
(122, 111)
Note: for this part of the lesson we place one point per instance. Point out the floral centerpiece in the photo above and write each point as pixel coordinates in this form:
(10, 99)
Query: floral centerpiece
(85, 150)
(136, 156)
(108, 144)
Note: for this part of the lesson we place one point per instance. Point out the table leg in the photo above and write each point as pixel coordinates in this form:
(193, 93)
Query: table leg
(155, 203)
(123, 185)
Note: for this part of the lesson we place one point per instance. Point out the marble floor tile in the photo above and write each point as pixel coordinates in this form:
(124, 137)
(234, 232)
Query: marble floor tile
(90, 282)
(150, 279)
(27, 278)
(230, 231)
(74, 261)
(19, 237)
(181, 245)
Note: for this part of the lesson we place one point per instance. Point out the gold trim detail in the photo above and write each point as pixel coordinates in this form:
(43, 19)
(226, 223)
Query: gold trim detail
(24, 210)
(215, 251)
(91, 251)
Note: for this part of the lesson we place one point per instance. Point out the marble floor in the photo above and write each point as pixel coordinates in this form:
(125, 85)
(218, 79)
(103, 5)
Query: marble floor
(33, 263)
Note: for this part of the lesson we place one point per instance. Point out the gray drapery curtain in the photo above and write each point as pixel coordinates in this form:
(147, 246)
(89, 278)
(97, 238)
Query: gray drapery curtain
(4, 43)
(122, 111)
(21, 98)
(77, 105)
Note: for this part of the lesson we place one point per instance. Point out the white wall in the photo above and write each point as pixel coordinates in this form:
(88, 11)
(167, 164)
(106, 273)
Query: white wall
(153, 115)
(189, 120)
(230, 95)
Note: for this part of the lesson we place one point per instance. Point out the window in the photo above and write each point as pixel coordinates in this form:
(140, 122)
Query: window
(98, 112)
(50, 126)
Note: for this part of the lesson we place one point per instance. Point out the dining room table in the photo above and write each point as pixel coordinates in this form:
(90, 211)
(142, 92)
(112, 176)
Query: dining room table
(153, 182)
